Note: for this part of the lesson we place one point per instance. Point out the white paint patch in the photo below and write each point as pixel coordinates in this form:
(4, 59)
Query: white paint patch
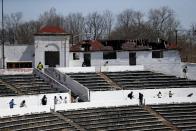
(76, 69)
(85, 105)
(16, 71)
(122, 68)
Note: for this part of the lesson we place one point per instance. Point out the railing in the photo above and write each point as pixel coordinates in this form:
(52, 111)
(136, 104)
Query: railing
(55, 84)
(74, 86)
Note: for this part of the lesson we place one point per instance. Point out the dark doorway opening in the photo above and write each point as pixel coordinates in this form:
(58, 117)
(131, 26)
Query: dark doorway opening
(132, 58)
(52, 58)
(87, 59)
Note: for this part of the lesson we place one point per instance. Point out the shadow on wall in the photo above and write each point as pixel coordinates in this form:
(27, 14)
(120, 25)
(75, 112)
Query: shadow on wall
(28, 54)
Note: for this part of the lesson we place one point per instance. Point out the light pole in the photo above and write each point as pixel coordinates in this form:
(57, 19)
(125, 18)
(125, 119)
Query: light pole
(176, 32)
(2, 39)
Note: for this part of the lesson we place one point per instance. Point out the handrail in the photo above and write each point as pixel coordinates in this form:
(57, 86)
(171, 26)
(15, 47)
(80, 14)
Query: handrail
(72, 84)
(52, 81)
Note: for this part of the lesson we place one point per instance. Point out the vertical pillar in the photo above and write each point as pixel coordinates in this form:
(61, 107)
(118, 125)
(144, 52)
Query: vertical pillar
(67, 50)
(2, 40)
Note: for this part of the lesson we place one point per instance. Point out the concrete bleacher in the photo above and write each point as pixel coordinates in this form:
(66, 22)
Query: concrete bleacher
(115, 118)
(5, 91)
(92, 81)
(35, 122)
(181, 115)
(148, 80)
(28, 84)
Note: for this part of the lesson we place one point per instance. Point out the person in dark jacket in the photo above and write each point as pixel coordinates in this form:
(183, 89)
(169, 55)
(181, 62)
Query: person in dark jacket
(170, 94)
(44, 100)
(12, 104)
(23, 103)
(130, 95)
(185, 72)
(141, 98)
(159, 95)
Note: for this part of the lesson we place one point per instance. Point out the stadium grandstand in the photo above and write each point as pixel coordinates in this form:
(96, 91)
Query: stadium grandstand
(95, 85)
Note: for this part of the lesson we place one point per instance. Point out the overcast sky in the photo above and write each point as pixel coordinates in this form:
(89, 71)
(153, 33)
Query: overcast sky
(31, 9)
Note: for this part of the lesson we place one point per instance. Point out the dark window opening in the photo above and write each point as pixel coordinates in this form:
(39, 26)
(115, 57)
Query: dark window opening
(157, 54)
(76, 56)
(132, 58)
(109, 55)
(11, 65)
(115, 44)
(87, 60)
(86, 47)
(52, 58)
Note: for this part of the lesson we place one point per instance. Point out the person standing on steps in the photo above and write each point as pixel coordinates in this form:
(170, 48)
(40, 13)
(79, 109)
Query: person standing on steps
(83, 64)
(65, 100)
(44, 100)
(170, 94)
(55, 102)
(40, 66)
(159, 95)
(12, 104)
(106, 63)
(184, 70)
(23, 103)
(77, 99)
(141, 98)
(130, 95)
(60, 99)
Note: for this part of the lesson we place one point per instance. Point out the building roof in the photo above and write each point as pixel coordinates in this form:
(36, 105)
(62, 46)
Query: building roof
(94, 45)
(51, 29)
(119, 45)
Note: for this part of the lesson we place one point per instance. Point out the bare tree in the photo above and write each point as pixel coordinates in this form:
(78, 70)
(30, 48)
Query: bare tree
(25, 32)
(51, 18)
(163, 22)
(94, 24)
(108, 22)
(129, 23)
(74, 23)
(11, 24)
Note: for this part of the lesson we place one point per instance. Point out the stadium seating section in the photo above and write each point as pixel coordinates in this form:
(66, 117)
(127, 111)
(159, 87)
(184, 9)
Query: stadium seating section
(34, 122)
(181, 115)
(148, 80)
(5, 91)
(92, 81)
(29, 84)
(133, 118)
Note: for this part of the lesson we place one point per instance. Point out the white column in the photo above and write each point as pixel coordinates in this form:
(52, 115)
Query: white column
(67, 51)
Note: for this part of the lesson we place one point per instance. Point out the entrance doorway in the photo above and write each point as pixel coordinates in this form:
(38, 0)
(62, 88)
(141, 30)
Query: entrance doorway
(132, 58)
(87, 59)
(52, 58)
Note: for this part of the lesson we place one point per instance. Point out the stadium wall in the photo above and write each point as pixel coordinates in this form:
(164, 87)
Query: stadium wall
(33, 103)
(18, 53)
(170, 63)
(180, 95)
